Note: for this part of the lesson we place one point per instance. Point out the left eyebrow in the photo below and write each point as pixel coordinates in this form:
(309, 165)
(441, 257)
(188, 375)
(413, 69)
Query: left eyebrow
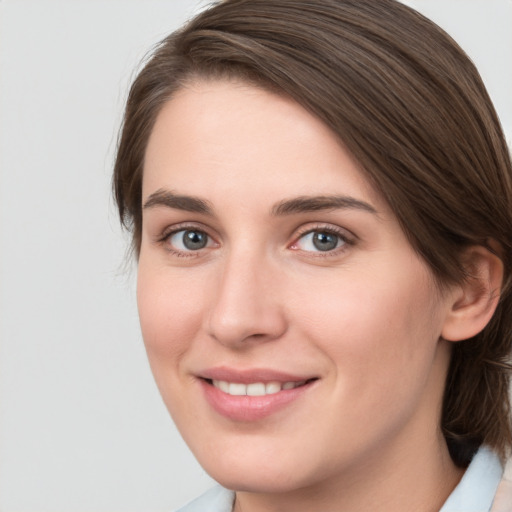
(305, 204)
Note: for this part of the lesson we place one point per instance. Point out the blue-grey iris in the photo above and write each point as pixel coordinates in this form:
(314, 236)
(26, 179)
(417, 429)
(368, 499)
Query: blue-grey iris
(195, 240)
(325, 241)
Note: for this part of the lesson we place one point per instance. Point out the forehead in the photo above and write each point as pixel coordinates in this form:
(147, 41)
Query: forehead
(217, 135)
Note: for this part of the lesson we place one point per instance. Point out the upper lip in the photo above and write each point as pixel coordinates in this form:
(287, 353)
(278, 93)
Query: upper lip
(247, 376)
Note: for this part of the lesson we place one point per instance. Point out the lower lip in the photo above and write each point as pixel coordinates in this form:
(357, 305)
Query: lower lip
(251, 408)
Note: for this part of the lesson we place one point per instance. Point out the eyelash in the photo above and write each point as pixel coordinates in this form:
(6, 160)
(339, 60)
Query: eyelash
(342, 234)
(168, 233)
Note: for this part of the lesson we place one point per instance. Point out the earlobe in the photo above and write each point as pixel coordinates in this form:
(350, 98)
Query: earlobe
(474, 300)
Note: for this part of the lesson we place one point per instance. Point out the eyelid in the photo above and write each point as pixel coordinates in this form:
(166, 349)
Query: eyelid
(344, 234)
(171, 230)
(180, 226)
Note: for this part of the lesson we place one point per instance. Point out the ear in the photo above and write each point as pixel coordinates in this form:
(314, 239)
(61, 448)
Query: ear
(474, 301)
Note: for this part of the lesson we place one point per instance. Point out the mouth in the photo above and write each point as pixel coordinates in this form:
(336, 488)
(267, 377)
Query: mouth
(255, 388)
(254, 395)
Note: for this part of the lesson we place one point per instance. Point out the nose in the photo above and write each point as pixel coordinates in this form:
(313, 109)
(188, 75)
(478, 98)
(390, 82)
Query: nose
(246, 304)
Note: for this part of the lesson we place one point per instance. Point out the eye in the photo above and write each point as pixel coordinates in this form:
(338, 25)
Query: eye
(189, 240)
(319, 240)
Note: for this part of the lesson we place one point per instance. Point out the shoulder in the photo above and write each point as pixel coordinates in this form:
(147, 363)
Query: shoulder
(216, 499)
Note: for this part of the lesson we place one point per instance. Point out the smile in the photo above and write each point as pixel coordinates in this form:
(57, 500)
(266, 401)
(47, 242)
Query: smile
(255, 388)
(248, 396)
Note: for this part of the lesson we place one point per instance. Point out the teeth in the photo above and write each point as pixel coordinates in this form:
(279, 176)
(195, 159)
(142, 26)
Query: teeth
(272, 387)
(237, 389)
(255, 388)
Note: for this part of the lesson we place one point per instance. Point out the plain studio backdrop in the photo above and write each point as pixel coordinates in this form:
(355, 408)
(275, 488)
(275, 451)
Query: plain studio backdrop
(82, 426)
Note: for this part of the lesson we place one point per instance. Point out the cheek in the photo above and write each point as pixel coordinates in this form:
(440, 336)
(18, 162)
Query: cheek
(380, 336)
(170, 315)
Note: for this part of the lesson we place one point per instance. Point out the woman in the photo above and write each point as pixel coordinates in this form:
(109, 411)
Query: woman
(320, 197)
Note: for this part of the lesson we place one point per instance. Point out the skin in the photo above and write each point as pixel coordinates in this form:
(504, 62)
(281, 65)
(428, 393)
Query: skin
(365, 319)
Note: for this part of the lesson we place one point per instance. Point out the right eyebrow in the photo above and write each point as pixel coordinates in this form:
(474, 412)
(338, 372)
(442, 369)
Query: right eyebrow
(304, 204)
(169, 199)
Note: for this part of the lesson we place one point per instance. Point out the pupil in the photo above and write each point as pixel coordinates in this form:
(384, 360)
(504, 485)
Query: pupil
(325, 241)
(194, 240)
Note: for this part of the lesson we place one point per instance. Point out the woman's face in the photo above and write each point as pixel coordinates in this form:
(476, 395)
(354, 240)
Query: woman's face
(292, 330)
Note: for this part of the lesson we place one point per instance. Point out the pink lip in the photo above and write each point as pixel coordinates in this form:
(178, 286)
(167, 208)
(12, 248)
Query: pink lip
(252, 375)
(250, 408)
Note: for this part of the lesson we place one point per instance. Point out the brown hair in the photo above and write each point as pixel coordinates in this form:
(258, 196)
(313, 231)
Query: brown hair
(411, 108)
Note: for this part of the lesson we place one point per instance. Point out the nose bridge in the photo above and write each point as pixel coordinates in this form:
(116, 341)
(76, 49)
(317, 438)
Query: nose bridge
(246, 303)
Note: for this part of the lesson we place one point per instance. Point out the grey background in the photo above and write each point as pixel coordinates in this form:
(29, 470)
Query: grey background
(82, 427)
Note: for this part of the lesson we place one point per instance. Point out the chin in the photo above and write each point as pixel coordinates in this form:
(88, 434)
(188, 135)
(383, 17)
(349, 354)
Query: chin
(259, 470)
(258, 481)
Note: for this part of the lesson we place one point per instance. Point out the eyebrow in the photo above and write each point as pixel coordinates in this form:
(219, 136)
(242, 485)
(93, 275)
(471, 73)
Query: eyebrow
(305, 204)
(301, 204)
(179, 202)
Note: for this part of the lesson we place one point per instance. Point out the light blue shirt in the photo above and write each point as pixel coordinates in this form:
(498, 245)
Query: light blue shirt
(475, 492)
(477, 488)
(216, 499)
